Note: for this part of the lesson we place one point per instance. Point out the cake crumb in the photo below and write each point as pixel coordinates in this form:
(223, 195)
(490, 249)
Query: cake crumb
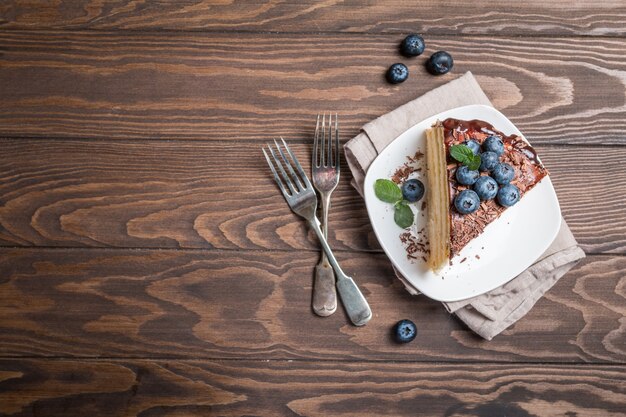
(477, 256)
(463, 260)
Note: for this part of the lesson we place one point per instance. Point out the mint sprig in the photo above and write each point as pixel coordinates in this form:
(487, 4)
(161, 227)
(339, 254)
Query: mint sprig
(466, 156)
(389, 192)
(403, 216)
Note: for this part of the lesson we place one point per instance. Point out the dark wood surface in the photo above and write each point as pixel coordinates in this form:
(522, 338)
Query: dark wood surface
(251, 86)
(148, 265)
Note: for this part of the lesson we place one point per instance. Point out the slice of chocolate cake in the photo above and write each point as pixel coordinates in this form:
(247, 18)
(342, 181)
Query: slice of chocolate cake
(473, 198)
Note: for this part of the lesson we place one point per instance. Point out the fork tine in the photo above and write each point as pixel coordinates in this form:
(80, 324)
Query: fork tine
(289, 167)
(284, 175)
(316, 139)
(276, 177)
(329, 140)
(307, 183)
(323, 147)
(336, 160)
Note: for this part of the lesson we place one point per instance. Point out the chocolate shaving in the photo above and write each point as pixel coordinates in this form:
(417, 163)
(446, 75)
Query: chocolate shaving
(402, 174)
(416, 245)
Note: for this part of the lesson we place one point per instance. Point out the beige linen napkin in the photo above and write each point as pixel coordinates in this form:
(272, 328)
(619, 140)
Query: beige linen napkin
(490, 313)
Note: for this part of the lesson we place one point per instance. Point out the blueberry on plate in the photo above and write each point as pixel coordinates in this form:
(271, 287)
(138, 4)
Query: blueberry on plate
(486, 188)
(404, 331)
(466, 176)
(439, 63)
(473, 145)
(412, 190)
(488, 161)
(503, 173)
(493, 144)
(397, 73)
(466, 202)
(412, 45)
(508, 195)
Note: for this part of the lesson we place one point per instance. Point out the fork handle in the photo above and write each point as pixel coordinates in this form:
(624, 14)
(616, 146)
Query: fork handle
(353, 300)
(324, 294)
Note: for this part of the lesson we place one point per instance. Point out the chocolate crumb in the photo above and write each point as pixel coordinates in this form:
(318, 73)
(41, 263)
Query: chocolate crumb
(402, 174)
(477, 256)
(463, 260)
(416, 245)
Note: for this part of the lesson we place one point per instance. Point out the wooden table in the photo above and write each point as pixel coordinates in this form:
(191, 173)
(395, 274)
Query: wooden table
(149, 266)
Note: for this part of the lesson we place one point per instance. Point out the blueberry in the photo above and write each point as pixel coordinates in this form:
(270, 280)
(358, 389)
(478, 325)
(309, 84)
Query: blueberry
(466, 202)
(473, 145)
(493, 144)
(397, 73)
(508, 195)
(503, 173)
(488, 160)
(486, 187)
(465, 176)
(413, 190)
(439, 63)
(404, 331)
(412, 45)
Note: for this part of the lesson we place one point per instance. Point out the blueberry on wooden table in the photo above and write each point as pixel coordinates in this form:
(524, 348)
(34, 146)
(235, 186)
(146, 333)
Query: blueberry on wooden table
(404, 331)
(439, 63)
(412, 45)
(397, 73)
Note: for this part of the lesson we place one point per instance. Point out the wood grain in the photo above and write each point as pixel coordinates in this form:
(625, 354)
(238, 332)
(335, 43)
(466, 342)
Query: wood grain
(257, 86)
(256, 305)
(429, 17)
(215, 195)
(301, 388)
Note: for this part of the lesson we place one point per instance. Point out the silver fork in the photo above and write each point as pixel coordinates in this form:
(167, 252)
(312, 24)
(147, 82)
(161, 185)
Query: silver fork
(300, 196)
(325, 170)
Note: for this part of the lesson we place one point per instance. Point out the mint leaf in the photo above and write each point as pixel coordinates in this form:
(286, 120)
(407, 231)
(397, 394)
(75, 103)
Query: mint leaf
(461, 153)
(403, 215)
(465, 155)
(387, 191)
(474, 164)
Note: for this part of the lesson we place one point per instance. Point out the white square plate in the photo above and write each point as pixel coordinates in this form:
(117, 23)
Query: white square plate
(508, 245)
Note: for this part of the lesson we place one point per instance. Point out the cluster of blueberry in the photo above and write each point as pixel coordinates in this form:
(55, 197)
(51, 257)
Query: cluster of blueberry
(486, 187)
(413, 45)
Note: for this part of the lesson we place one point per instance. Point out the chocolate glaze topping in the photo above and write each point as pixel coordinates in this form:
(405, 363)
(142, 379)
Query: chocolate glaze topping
(519, 154)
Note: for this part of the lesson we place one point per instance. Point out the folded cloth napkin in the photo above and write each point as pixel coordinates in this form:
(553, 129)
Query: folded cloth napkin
(490, 313)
